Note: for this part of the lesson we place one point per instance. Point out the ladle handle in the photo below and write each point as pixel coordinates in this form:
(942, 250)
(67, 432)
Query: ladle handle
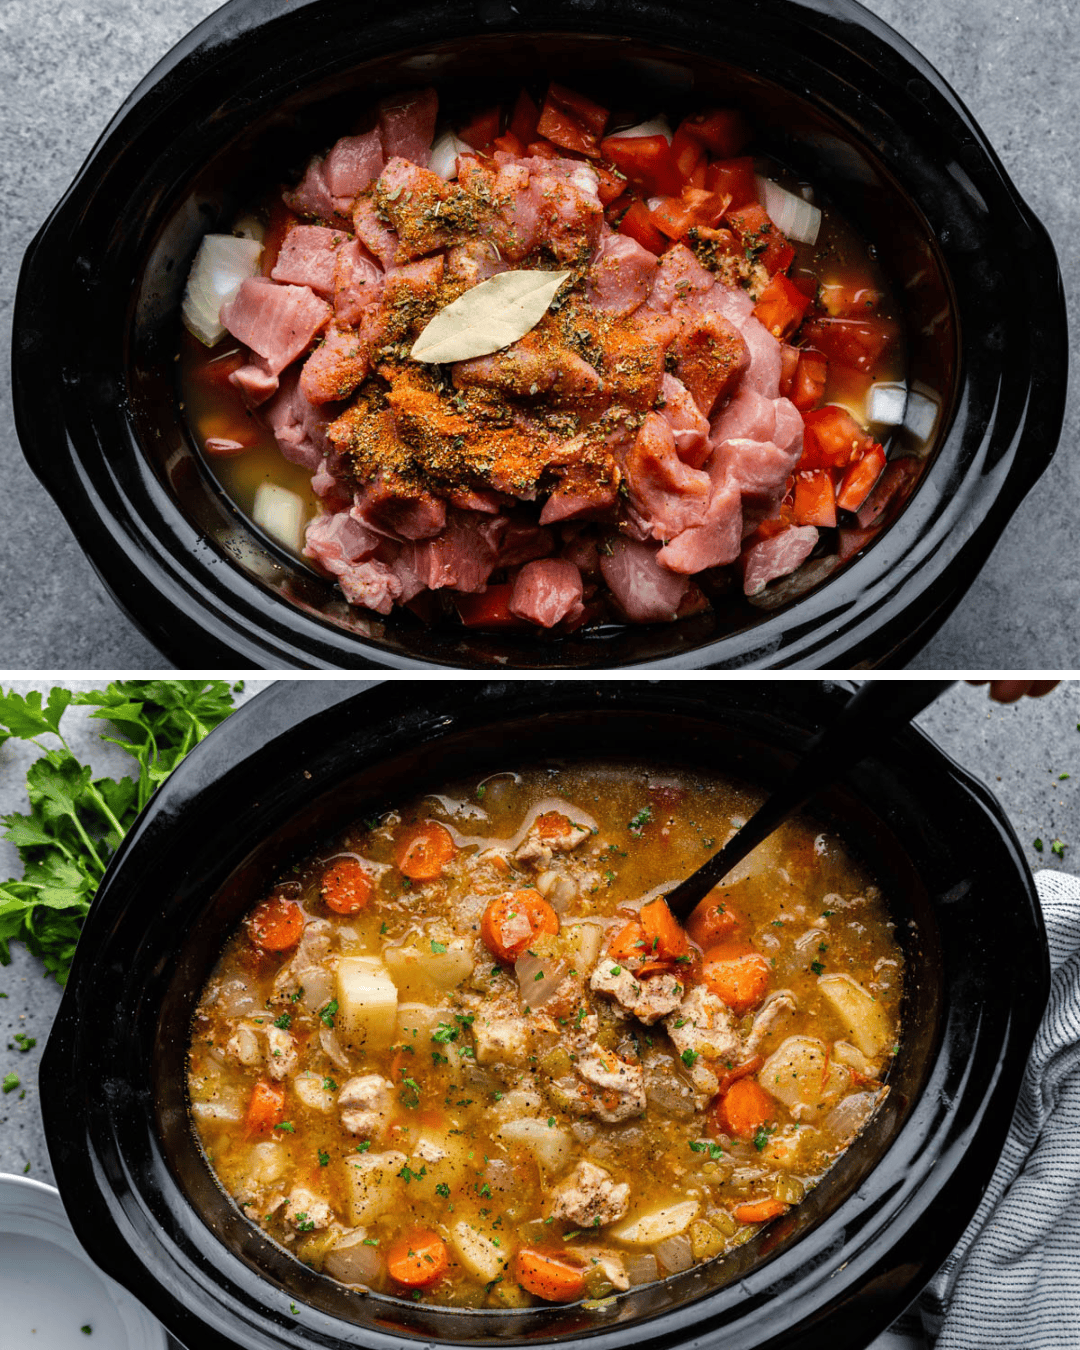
(868, 721)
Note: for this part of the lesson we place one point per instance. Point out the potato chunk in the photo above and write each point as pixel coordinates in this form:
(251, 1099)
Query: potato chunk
(416, 968)
(641, 1230)
(367, 1003)
(801, 1075)
(865, 1021)
(373, 1185)
(549, 1145)
(478, 1254)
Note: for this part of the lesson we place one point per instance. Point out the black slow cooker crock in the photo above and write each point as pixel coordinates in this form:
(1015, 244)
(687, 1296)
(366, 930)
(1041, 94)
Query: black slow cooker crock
(302, 759)
(245, 98)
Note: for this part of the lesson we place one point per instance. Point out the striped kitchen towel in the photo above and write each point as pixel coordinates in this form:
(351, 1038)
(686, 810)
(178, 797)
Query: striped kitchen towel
(1013, 1280)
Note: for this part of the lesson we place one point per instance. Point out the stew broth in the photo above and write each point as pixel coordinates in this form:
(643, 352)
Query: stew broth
(463, 1053)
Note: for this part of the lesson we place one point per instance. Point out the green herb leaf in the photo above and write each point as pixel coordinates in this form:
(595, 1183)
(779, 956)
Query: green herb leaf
(10, 1083)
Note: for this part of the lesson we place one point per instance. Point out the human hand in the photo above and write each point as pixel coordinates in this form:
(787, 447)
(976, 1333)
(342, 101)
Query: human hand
(1008, 691)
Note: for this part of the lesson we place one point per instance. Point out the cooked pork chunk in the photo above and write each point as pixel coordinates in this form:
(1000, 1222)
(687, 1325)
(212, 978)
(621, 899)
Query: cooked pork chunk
(365, 1104)
(589, 1198)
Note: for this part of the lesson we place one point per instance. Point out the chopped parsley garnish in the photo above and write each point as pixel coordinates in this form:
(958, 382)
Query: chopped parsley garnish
(11, 1082)
(443, 1189)
(616, 970)
(1058, 848)
(481, 789)
(327, 1014)
(689, 1057)
(817, 967)
(761, 1138)
(287, 1126)
(303, 1223)
(324, 1159)
(363, 1148)
(284, 1022)
(640, 820)
(1037, 845)
(298, 995)
(407, 1174)
(329, 1085)
(371, 1242)
(703, 1146)
(24, 1042)
(444, 1033)
(438, 947)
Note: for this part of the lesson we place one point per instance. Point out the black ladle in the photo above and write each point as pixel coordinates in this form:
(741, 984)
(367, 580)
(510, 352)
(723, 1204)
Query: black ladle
(865, 725)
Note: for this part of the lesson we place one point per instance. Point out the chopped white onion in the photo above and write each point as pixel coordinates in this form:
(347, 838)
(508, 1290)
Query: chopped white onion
(886, 404)
(539, 978)
(796, 218)
(921, 415)
(281, 514)
(655, 126)
(444, 155)
(640, 1266)
(250, 227)
(221, 265)
(675, 1253)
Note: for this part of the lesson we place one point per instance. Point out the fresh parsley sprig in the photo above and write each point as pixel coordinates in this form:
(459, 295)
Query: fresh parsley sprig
(76, 821)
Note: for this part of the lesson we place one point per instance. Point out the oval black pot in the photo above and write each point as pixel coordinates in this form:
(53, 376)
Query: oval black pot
(246, 96)
(302, 759)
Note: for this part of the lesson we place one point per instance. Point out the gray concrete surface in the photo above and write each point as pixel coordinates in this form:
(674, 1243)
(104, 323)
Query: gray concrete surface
(1020, 752)
(65, 67)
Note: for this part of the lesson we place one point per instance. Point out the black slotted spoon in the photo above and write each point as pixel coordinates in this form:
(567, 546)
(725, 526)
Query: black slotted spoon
(867, 722)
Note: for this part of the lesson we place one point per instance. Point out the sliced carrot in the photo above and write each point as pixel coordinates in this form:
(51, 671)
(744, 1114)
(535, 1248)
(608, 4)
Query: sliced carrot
(553, 825)
(664, 936)
(276, 925)
(629, 943)
(711, 922)
(737, 974)
(514, 920)
(423, 850)
(346, 886)
(417, 1259)
(743, 1109)
(548, 1274)
(759, 1211)
(743, 1070)
(266, 1107)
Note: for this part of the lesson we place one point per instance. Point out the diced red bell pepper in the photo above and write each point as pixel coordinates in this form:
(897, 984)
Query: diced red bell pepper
(832, 439)
(508, 143)
(809, 383)
(611, 186)
(482, 129)
(687, 152)
(646, 161)
(789, 365)
(724, 131)
(858, 482)
(735, 176)
(672, 217)
(543, 149)
(815, 499)
(488, 609)
(858, 344)
(707, 208)
(524, 118)
(761, 239)
(723, 241)
(781, 307)
(573, 121)
(638, 223)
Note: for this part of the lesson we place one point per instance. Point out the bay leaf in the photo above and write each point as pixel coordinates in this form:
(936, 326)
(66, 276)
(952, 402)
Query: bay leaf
(488, 317)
